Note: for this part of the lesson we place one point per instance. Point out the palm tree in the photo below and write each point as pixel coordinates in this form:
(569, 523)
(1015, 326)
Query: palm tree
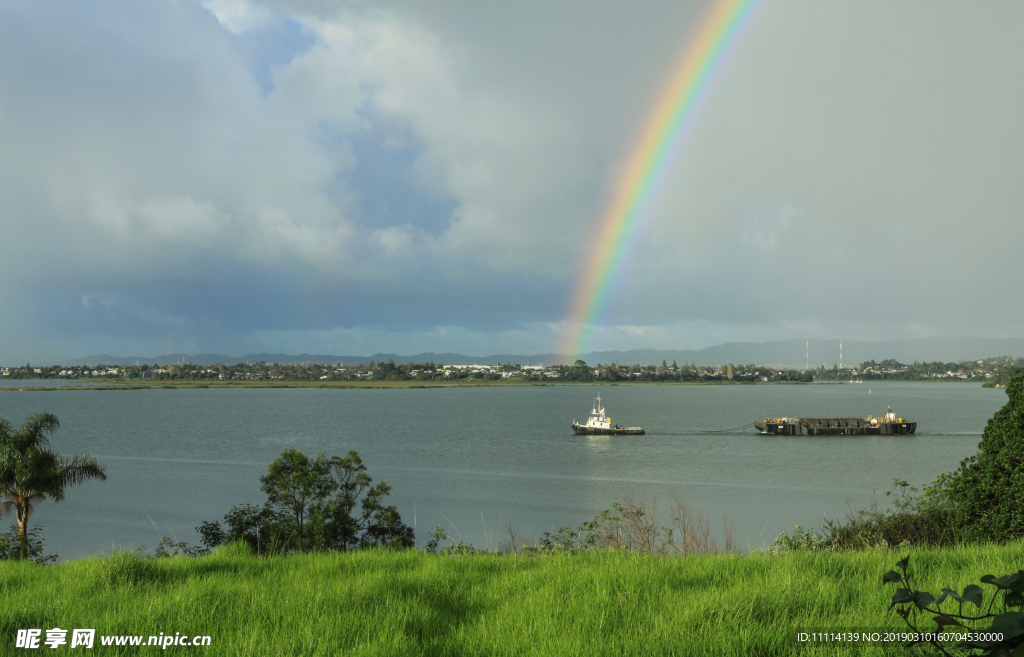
(31, 472)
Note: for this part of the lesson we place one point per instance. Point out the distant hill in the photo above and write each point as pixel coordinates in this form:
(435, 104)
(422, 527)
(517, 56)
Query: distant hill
(794, 353)
(784, 353)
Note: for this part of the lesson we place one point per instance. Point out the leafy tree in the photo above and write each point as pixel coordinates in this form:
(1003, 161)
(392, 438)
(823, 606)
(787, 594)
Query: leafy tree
(386, 370)
(256, 526)
(293, 485)
(31, 472)
(988, 488)
(358, 516)
(313, 505)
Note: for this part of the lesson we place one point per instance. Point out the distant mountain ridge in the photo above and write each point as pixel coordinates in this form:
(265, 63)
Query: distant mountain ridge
(784, 353)
(798, 354)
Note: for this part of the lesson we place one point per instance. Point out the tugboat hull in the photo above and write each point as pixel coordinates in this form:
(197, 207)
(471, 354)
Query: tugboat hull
(599, 424)
(582, 429)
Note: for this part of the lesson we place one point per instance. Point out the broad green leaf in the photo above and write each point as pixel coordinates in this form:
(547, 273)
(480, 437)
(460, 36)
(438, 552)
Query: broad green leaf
(953, 594)
(974, 593)
(923, 598)
(1011, 624)
(902, 596)
(945, 619)
(1004, 582)
(892, 576)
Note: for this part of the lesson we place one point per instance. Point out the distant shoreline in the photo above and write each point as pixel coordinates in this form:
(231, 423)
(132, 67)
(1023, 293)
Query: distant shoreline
(188, 385)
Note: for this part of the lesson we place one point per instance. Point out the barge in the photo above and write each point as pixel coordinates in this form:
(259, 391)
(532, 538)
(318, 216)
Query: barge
(599, 424)
(887, 425)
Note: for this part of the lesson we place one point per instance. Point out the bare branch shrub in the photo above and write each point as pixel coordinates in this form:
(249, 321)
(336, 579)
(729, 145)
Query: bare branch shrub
(513, 540)
(633, 525)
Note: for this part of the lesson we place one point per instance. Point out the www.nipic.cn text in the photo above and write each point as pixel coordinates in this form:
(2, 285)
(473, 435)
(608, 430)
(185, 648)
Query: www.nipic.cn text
(56, 637)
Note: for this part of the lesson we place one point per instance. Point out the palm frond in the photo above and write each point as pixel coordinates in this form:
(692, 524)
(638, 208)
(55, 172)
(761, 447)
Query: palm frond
(34, 433)
(39, 471)
(8, 470)
(77, 469)
(5, 430)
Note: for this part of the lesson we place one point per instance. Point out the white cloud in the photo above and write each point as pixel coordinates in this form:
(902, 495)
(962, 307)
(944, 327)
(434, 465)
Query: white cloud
(846, 154)
(239, 16)
(175, 221)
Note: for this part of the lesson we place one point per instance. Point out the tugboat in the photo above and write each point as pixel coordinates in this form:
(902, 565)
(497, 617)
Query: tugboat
(888, 425)
(599, 424)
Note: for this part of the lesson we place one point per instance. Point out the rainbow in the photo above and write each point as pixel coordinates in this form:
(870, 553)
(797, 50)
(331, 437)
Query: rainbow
(651, 158)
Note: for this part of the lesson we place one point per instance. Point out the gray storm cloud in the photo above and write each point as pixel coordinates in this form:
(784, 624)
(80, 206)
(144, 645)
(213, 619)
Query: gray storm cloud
(234, 174)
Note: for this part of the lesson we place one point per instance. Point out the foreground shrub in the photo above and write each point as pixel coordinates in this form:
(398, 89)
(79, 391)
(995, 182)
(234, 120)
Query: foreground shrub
(319, 504)
(11, 546)
(630, 526)
(635, 526)
(169, 548)
(810, 540)
(917, 520)
(987, 491)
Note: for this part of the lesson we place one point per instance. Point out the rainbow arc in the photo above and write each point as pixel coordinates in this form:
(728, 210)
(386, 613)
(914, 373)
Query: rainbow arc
(661, 138)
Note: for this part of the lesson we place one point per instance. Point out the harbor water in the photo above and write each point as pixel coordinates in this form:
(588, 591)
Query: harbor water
(472, 459)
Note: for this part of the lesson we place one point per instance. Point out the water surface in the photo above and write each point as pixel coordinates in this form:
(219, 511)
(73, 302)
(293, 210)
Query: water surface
(472, 458)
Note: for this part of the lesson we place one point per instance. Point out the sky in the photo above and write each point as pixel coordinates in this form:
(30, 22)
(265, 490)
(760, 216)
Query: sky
(236, 176)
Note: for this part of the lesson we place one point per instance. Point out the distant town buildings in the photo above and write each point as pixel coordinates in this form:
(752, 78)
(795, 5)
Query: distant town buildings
(390, 371)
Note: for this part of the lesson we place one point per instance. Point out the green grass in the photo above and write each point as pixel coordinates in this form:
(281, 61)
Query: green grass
(379, 603)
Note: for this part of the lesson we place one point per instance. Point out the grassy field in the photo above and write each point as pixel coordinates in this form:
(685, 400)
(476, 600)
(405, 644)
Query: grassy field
(411, 603)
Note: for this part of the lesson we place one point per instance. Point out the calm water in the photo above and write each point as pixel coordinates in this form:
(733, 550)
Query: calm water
(472, 458)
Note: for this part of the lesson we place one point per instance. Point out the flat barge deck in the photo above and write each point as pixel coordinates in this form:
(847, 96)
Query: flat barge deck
(889, 425)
